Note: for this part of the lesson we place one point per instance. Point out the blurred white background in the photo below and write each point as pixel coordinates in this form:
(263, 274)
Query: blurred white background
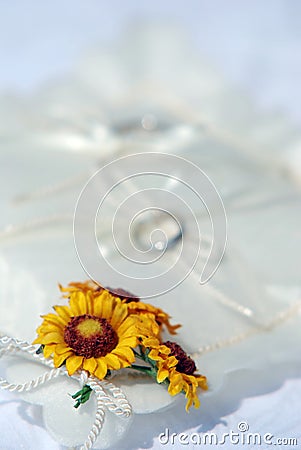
(255, 44)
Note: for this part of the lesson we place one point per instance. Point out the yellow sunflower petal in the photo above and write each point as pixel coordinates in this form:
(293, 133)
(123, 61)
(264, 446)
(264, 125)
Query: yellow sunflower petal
(113, 362)
(124, 363)
(90, 303)
(172, 329)
(128, 327)
(189, 403)
(48, 350)
(164, 349)
(160, 354)
(85, 286)
(162, 374)
(52, 338)
(73, 363)
(64, 312)
(160, 318)
(59, 359)
(174, 388)
(54, 319)
(75, 306)
(83, 302)
(132, 331)
(151, 342)
(49, 328)
(98, 306)
(90, 365)
(192, 399)
(131, 341)
(172, 361)
(40, 329)
(176, 377)
(196, 402)
(147, 323)
(119, 314)
(202, 382)
(60, 349)
(125, 353)
(102, 369)
(154, 355)
(107, 306)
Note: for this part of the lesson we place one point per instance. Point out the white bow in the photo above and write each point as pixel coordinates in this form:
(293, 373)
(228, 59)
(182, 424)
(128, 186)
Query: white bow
(107, 394)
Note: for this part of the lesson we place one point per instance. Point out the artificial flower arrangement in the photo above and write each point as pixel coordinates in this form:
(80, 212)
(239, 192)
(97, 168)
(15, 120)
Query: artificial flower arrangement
(100, 332)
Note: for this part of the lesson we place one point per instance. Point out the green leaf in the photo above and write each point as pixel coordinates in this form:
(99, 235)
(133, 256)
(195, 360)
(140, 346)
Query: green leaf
(40, 349)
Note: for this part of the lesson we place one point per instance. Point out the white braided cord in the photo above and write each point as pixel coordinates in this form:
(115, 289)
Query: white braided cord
(116, 402)
(97, 424)
(279, 319)
(107, 394)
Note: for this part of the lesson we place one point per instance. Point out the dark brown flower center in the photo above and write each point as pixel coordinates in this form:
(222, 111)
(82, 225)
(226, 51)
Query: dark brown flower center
(90, 336)
(185, 363)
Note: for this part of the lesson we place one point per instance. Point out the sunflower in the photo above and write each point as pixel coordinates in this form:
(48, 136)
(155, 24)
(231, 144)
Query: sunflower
(155, 313)
(90, 285)
(178, 369)
(134, 304)
(96, 333)
(84, 286)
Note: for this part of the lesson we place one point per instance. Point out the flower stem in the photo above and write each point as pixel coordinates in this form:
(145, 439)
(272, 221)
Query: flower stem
(82, 396)
(141, 368)
(147, 370)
